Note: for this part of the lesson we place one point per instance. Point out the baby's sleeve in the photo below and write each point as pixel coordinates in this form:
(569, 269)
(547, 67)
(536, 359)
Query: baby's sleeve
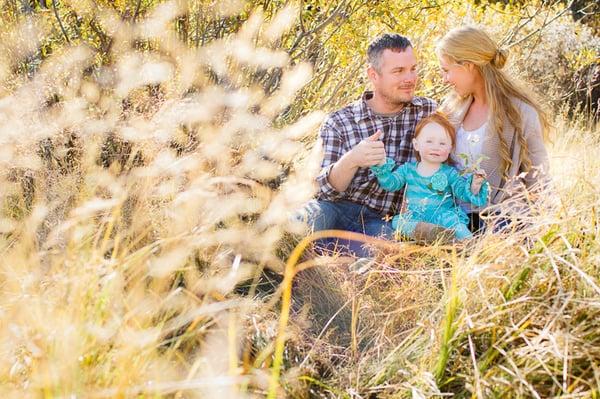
(461, 189)
(388, 178)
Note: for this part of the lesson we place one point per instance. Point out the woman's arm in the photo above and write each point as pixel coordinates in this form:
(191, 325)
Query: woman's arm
(536, 149)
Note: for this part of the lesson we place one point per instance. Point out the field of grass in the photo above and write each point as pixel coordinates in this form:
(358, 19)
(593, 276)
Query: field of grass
(512, 315)
(148, 248)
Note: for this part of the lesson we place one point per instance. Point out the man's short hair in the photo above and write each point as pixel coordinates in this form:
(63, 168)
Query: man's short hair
(387, 41)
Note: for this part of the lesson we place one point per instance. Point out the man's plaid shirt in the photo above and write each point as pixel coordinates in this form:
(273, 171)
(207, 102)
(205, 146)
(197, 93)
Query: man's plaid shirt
(345, 128)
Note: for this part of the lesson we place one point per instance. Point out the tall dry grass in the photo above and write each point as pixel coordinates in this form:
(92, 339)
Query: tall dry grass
(135, 197)
(146, 223)
(514, 314)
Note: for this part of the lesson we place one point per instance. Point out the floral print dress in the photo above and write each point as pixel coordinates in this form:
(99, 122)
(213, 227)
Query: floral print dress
(432, 199)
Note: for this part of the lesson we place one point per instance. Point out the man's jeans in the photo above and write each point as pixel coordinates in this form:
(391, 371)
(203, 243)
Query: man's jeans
(349, 216)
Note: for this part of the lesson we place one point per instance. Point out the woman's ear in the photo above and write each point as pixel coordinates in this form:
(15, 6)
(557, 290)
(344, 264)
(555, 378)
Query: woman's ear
(469, 65)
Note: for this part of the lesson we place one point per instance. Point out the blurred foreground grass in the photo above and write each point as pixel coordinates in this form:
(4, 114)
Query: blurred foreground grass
(147, 195)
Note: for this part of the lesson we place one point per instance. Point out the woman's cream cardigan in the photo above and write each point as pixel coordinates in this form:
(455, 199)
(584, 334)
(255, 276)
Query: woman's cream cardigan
(502, 191)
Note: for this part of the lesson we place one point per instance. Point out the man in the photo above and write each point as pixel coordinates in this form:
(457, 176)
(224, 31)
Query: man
(381, 123)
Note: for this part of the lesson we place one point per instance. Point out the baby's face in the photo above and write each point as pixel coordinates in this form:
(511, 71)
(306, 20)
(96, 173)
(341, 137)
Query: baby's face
(433, 143)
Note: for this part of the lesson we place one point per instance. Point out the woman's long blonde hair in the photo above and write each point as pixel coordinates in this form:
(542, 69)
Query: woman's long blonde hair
(471, 44)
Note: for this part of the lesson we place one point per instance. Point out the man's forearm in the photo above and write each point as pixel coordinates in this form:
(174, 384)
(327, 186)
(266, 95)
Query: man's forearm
(342, 173)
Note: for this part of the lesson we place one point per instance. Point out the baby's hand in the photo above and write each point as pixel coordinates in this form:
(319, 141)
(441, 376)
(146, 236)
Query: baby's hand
(479, 176)
(478, 179)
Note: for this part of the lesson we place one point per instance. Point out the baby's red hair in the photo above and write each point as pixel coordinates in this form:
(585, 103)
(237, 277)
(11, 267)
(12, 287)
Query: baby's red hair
(442, 120)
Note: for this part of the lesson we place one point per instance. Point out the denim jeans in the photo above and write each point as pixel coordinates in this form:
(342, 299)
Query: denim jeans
(348, 216)
(478, 226)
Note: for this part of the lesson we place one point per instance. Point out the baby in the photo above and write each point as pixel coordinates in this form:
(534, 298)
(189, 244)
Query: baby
(432, 185)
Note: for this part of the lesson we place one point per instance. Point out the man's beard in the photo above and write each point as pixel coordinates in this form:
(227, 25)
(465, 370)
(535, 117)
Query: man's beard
(397, 99)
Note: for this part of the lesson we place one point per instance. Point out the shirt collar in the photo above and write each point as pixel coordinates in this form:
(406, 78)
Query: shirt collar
(362, 110)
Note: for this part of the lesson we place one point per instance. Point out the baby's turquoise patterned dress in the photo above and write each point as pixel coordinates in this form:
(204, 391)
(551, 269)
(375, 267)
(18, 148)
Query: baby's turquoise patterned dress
(431, 199)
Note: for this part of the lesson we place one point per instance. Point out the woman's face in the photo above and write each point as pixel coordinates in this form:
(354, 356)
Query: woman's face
(461, 77)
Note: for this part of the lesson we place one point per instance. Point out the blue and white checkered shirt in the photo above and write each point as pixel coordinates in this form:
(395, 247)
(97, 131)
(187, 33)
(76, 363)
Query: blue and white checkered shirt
(345, 128)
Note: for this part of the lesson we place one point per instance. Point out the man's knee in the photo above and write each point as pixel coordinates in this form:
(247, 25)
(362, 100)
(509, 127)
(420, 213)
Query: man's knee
(320, 215)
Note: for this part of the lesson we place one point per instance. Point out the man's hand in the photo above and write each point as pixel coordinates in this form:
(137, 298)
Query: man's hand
(368, 152)
(478, 179)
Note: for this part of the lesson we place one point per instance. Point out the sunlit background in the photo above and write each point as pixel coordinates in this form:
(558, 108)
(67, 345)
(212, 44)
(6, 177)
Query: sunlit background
(153, 156)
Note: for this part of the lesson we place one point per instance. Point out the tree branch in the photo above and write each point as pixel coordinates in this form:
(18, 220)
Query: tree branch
(137, 10)
(62, 28)
(544, 25)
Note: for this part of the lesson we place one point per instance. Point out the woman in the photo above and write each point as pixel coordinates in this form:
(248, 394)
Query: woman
(498, 122)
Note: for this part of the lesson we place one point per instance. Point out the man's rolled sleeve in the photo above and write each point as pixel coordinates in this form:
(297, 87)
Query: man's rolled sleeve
(333, 149)
(326, 190)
